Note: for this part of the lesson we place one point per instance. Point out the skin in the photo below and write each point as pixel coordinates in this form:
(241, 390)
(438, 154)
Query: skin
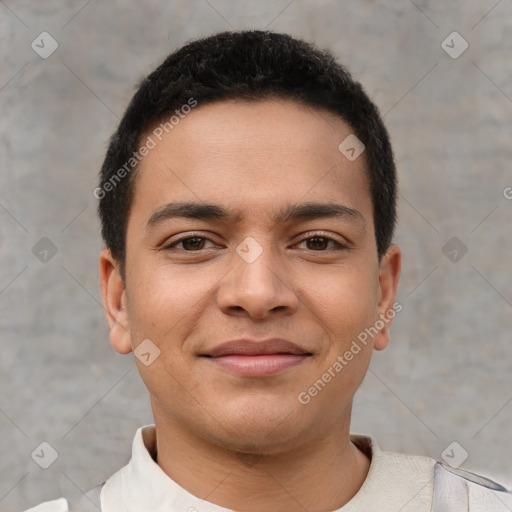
(247, 443)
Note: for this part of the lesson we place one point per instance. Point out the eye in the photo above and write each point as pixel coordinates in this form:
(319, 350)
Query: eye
(195, 243)
(319, 243)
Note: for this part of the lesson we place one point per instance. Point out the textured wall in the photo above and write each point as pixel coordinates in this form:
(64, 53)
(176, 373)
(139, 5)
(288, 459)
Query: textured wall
(447, 373)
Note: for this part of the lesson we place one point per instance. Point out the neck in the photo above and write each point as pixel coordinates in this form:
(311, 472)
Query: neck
(318, 476)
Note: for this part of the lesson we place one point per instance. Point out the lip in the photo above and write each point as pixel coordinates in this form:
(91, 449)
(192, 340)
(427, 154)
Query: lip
(252, 358)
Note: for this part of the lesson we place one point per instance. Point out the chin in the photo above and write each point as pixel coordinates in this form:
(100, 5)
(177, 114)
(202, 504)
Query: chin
(261, 429)
(262, 443)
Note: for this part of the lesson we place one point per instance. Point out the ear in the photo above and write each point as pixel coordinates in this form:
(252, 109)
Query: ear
(114, 299)
(389, 275)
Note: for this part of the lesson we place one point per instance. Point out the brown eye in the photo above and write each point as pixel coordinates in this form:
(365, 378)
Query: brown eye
(189, 244)
(320, 243)
(195, 242)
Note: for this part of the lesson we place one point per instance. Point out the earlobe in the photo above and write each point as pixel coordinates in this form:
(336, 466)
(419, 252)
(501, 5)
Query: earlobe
(389, 276)
(114, 299)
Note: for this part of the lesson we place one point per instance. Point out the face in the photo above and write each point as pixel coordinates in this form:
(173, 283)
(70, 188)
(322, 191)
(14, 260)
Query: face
(261, 263)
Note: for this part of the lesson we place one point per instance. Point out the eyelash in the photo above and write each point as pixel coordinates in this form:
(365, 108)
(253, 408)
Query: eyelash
(168, 247)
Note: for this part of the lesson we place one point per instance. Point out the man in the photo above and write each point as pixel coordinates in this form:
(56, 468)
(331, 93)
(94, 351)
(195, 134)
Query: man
(247, 203)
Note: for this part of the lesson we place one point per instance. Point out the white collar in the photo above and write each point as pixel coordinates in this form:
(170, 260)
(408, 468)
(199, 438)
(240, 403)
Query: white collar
(143, 485)
(394, 481)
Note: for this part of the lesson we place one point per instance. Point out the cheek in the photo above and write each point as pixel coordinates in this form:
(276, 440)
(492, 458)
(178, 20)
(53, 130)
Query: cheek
(164, 298)
(345, 299)
(349, 307)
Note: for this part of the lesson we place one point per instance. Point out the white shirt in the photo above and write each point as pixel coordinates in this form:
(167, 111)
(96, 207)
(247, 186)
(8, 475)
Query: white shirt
(395, 482)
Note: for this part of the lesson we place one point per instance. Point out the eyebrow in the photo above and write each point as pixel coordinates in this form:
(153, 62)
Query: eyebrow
(294, 212)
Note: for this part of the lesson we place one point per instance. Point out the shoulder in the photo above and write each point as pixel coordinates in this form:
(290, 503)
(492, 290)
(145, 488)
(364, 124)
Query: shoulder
(467, 491)
(60, 505)
(432, 483)
(87, 502)
(453, 489)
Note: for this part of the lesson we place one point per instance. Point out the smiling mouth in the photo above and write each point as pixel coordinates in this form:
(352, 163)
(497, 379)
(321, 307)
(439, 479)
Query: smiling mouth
(257, 358)
(258, 365)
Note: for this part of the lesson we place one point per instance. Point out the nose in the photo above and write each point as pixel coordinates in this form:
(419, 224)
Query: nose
(259, 288)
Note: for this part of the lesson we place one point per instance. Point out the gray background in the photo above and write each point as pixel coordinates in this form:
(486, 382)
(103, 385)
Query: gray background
(446, 375)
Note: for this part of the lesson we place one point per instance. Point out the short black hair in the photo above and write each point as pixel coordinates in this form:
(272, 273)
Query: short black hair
(243, 65)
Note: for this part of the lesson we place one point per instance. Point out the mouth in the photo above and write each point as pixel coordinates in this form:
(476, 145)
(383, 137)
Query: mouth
(251, 358)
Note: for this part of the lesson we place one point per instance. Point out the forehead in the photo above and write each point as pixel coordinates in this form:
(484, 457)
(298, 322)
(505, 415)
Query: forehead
(250, 156)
